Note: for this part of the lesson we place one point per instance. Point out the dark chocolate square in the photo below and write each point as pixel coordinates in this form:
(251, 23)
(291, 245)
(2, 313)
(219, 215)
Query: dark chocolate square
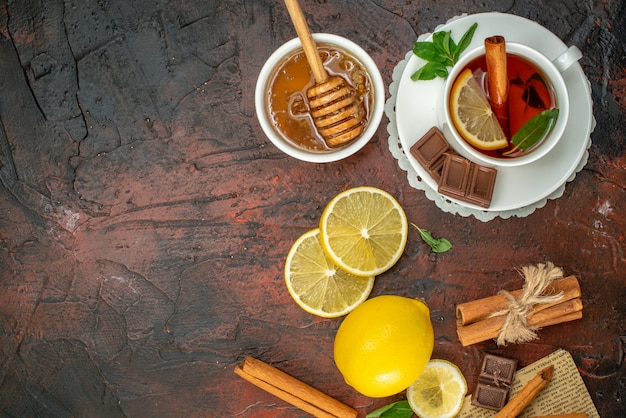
(494, 382)
(467, 181)
(490, 397)
(497, 370)
(481, 185)
(430, 147)
(455, 176)
(436, 169)
(430, 151)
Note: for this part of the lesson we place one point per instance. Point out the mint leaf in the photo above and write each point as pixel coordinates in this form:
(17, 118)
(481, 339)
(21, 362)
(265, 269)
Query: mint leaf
(466, 39)
(430, 70)
(534, 130)
(428, 51)
(454, 54)
(400, 409)
(442, 41)
(440, 53)
(447, 45)
(438, 245)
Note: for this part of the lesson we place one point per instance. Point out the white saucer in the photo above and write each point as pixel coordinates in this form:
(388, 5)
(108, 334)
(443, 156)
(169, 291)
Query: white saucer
(516, 187)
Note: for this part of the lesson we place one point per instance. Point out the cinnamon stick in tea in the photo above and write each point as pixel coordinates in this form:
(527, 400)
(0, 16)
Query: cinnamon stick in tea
(292, 390)
(498, 80)
(489, 328)
(525, 396)
(470, 312)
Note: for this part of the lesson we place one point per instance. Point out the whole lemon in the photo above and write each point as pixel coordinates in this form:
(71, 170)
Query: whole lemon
(384, 344)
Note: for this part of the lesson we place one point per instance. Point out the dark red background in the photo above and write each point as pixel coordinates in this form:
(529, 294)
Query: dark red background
(145, 217)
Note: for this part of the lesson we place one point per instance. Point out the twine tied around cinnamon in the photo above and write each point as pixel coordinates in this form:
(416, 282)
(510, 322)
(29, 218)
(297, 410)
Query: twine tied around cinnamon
(516, 328)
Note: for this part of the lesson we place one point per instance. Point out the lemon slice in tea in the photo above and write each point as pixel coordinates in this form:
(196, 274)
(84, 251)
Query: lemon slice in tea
(472, 115)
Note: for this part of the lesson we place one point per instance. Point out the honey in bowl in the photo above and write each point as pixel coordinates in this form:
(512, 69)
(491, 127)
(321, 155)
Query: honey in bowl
(286, 94)
(530, 93)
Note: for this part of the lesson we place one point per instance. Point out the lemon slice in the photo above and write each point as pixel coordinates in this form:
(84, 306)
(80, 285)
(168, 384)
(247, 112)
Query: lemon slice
(317, 285)
(364, 231)
(439, 392)
(472, 115)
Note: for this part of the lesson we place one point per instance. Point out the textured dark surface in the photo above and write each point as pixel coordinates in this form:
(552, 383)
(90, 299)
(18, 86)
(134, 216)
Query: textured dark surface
(145, 218)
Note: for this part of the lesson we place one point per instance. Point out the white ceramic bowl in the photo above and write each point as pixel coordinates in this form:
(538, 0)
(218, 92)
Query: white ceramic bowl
(328, 155)
(553, 74)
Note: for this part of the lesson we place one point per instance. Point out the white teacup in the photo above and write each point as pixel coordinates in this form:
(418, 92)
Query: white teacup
(550, 69)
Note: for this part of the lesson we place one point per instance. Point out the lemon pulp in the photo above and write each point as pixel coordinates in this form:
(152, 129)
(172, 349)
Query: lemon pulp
(439, 391)
(472, 115)
(317, 285)
(364, 231)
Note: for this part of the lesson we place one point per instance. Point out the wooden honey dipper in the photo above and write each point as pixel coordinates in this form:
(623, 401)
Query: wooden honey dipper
(332, 101)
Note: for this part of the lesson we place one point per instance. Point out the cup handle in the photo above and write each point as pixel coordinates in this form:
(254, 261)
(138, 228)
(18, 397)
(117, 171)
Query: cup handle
(567, 58)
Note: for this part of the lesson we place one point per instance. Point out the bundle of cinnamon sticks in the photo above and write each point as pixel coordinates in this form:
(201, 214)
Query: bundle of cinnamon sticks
(475, 323)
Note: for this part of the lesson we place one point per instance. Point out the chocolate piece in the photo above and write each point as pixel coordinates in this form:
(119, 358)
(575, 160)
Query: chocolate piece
(494, 382)
(467, 181)
(437, 168)
(490, 397)
(455, 176)
(481, 186)
(430, 147)
(497, 369)
(429, 151)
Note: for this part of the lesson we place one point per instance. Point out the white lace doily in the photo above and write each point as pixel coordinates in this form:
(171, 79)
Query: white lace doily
(395, 147)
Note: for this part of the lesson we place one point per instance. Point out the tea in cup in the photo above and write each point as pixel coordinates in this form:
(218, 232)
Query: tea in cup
(536, 85)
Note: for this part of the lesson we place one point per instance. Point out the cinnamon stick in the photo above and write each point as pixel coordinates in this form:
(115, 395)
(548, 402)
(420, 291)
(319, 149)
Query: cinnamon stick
(498, 80)
(525, 396)
(292, 390)
(489, 328)
(470, 312)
